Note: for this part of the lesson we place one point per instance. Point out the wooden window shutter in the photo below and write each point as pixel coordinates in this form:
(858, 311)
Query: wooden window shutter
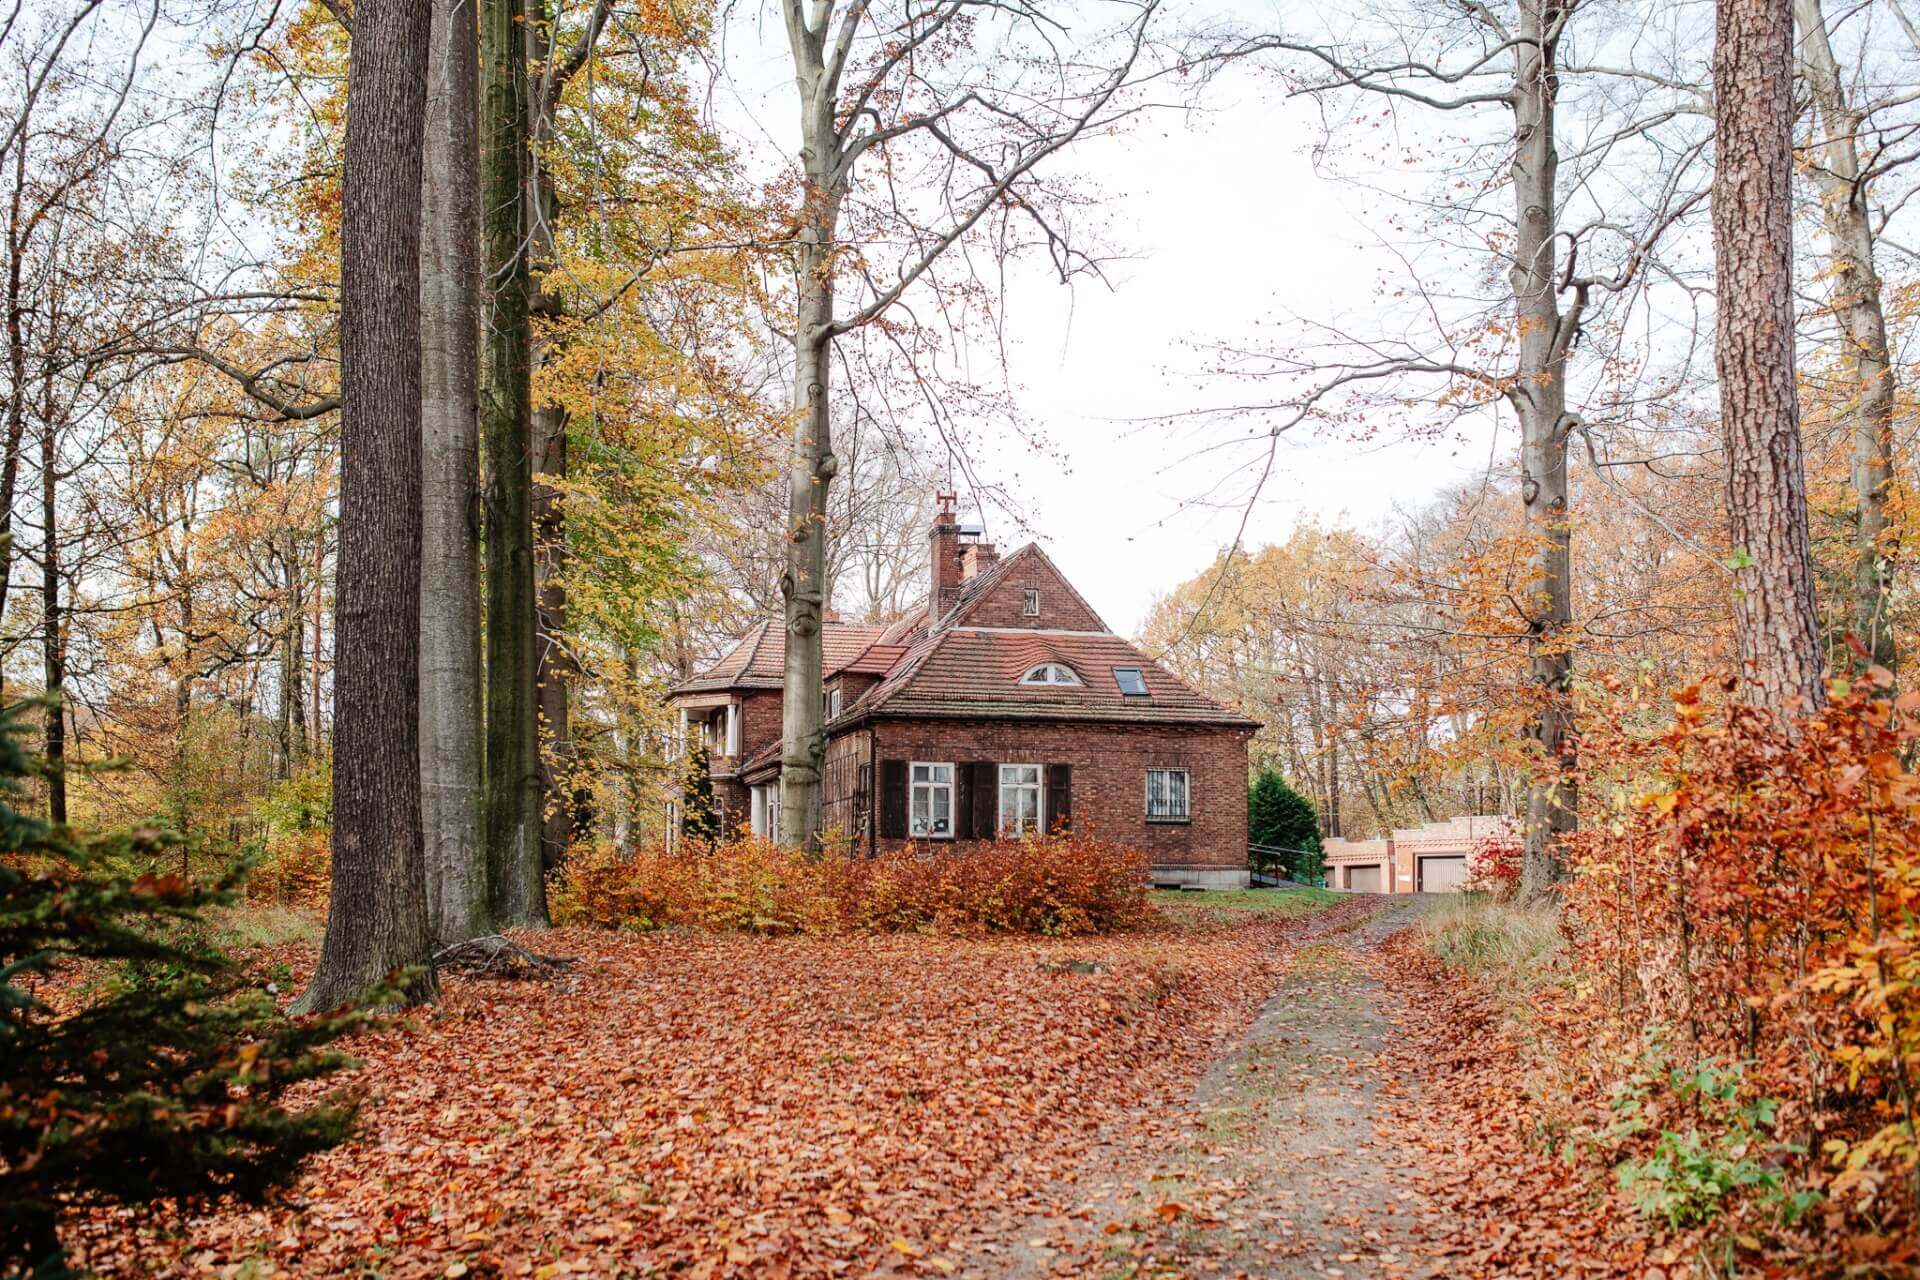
(986, 799)
(1059, 798)
(893, 799)
(963, 802)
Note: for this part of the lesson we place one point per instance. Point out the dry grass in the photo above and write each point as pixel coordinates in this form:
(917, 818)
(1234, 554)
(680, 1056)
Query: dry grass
(1516, 948)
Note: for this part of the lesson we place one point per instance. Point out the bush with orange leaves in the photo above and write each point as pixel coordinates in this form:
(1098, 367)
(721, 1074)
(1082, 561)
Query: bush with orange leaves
(1063, 884)
(1750, 897)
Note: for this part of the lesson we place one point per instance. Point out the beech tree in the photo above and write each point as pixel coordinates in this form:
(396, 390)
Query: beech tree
(960, 100)
(1776, 614)
(1570, 267)
(451, 721)
(377, 913)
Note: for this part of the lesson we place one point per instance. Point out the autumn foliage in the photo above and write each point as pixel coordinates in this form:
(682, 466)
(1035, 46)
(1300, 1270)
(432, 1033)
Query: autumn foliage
(1743, 915)
(1061, 885)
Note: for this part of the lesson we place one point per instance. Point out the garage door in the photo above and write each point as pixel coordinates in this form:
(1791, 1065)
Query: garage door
(1364, 879)
(1443, 875)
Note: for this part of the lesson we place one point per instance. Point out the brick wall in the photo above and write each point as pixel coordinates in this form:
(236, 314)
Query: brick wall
(1109, 776)
(1004, 605)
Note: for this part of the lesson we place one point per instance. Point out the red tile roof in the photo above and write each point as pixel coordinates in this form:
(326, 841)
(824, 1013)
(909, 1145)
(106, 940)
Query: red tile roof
(961, 671)
(758, 661)
(955, 670)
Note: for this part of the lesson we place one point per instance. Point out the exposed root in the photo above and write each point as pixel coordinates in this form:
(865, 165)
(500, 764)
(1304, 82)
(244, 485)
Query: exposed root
(494, 956)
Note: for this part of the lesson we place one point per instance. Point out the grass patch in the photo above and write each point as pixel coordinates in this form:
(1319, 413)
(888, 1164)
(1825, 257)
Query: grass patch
(1231, 906)
(264, 924)
(1486, 938)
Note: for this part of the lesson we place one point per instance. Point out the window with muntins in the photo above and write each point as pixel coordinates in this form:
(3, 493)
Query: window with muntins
(833, 702)
(930, 801)
(1056, 673)
(1019, 799)
(1167, 795)
(1030, 605)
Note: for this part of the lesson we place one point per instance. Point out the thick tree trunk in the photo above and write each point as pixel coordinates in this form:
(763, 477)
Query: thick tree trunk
(53, 643)
(1858, 307)
(1775, 614)
(451, 724)
(377, 920)
(512, 814)
(1541, 401)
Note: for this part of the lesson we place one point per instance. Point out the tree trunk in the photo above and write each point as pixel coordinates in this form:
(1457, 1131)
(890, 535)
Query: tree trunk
(1775, 615)
(451, 723)
(377, 919)
(1858, 307)
(1540, 399)
(53, 645)
(553, 668)
(512, 813)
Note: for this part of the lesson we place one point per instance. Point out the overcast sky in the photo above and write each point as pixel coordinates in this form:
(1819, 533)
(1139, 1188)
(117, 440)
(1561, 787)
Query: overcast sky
(1227, 230)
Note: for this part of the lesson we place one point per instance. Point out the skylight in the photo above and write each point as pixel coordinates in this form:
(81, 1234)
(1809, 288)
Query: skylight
(1131, 682)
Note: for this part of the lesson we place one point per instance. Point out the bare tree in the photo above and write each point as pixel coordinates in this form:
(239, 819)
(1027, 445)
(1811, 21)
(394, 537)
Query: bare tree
(377, 915)
(1845, 187)
(890, 78)
(1560, 253)
(1776, 614)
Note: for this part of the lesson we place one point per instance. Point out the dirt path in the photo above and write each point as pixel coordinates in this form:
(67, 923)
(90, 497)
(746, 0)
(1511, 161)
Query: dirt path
(1287, 1164)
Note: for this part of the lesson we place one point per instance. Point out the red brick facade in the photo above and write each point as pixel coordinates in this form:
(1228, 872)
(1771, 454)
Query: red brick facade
(952, 687)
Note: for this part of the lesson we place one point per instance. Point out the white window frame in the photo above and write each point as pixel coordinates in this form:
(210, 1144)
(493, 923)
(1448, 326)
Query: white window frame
(833, 702)
(931, 786)
(733, 728)
(1030, 603)
(1186, 794)
(772, 810)
(1039, 788)
(1046, 675)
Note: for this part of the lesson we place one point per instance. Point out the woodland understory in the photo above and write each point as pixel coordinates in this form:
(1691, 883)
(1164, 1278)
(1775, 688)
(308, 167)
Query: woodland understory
(398, 399)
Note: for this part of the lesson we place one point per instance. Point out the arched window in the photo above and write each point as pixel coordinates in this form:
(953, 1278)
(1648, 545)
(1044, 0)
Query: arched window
(1054, 673)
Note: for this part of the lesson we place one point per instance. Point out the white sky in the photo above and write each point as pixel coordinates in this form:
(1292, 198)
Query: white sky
(1227, 229)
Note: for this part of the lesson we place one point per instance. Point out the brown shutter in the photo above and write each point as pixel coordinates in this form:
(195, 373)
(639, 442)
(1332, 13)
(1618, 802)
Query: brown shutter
(893, 799)
(986, 799)
(963, 802)
(1059, 798)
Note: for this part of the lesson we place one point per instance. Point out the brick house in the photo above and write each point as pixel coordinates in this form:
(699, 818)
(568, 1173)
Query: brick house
(1004, 706)
(1426, 859)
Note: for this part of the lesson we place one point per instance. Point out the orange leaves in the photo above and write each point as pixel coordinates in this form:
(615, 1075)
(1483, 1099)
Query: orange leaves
(1067, 884)
(733, 1106)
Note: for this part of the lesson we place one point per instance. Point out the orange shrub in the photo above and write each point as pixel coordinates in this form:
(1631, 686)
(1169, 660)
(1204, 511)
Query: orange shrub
(1064, 884)
(1752, 896)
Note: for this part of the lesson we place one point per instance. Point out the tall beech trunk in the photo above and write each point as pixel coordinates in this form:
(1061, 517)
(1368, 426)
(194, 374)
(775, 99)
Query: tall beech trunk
(811, 463)
(377, 919)
(512, 810)
(53, 643)
(452, 726)
(1859, 309)
(1775, 615)
(1539, 398)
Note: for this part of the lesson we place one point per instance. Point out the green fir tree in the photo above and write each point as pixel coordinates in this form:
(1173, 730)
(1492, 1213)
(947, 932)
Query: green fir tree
(1281, 818)
(137, 1062)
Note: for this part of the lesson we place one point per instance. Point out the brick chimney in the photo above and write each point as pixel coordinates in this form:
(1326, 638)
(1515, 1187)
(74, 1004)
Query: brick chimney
(944, 545)
(975, 559)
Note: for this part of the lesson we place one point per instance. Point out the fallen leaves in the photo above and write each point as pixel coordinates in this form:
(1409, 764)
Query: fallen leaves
(728, 1106)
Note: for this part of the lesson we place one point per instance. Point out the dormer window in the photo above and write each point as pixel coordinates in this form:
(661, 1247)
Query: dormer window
(1054, 673)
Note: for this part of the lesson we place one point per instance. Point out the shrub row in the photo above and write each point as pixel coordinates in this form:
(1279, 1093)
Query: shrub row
(1064, 884)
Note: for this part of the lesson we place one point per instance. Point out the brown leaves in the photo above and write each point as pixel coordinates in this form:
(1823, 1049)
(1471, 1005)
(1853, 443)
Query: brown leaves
(736, 1107)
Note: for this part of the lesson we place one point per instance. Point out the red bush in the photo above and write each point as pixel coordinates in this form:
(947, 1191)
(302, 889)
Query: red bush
(1064, 884)
(1493, 864)
(1749, 891)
